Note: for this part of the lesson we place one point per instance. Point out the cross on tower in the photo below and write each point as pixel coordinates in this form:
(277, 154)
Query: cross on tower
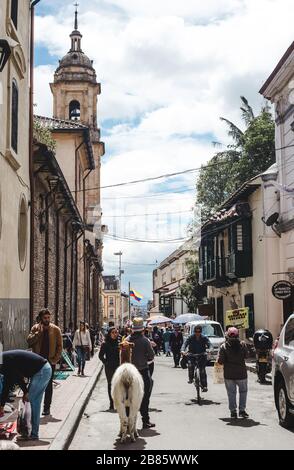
(76, 15)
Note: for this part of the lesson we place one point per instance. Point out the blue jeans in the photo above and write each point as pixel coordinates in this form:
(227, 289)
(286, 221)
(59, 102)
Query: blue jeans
(231, 386)
(37, 388)
(81, 352)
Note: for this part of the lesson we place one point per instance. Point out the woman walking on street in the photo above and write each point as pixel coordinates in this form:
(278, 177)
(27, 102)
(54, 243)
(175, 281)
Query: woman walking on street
(109, 355)
(82, 344)
(232, 355)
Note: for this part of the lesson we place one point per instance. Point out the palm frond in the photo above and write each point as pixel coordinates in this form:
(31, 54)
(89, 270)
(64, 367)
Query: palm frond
(234, 131)
(247, 111)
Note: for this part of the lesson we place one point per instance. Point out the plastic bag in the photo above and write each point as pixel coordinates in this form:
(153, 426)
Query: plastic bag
(218, 373)
(24, 421)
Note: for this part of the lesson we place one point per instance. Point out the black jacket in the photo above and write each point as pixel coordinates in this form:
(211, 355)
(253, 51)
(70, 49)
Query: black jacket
(109, 353)
(233, 359)
(17, 365)
(142, 352)
(196, 346)
(176, 342)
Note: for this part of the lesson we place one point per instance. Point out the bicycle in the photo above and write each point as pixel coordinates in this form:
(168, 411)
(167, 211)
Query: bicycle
(197, 381)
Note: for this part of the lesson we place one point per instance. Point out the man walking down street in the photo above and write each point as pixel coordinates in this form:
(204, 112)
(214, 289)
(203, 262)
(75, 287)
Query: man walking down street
(142, 354)
(176, 342)
(232, 355)
(166, 337)
(45, 339)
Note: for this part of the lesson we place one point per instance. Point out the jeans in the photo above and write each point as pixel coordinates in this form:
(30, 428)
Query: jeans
(109, 371)
(49, 391)
(201, 363)
(167, 349)
(37, 388)
(81, 352)
(231, 386)
(144, 410)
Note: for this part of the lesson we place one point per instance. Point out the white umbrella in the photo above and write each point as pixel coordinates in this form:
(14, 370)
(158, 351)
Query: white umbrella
(159, 320)
(187, 317)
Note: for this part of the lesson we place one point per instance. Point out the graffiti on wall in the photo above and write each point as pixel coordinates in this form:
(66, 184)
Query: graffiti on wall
(14, 323)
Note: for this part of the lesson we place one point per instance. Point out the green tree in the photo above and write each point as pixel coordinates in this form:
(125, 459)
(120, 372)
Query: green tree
(251, 153)
(192, 292)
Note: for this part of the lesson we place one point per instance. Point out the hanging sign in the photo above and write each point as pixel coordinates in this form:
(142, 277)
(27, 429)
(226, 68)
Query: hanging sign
(238, 318)
(282, 290)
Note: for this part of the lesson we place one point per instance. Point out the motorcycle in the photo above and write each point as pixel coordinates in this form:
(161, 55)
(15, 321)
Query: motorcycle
(263, 342)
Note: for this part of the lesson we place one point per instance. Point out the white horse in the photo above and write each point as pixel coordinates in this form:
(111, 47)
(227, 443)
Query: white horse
(127, 391)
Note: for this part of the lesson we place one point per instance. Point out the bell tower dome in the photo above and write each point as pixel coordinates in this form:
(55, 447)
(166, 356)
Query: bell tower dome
(75, 88)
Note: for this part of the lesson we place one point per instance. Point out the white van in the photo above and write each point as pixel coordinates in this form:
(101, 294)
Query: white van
(214, 332)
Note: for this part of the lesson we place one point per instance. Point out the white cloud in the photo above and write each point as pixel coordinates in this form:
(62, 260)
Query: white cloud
(168, 70)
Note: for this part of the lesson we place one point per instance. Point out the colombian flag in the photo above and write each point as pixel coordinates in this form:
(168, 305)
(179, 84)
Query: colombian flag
(136, 295)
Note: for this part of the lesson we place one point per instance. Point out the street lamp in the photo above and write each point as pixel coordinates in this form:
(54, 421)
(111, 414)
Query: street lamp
(5, 52)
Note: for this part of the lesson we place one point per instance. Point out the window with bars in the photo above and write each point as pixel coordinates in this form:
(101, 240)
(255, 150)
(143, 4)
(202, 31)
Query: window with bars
(14, 12)
(14, 116)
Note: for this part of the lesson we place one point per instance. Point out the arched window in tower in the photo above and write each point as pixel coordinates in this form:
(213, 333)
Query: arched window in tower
(14, 116)
(74, 111)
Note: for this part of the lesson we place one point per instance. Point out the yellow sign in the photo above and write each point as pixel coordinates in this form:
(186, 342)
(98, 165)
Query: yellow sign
(238, 318)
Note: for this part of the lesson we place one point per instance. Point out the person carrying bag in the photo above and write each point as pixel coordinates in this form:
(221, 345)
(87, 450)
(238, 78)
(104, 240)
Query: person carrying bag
(82, 345)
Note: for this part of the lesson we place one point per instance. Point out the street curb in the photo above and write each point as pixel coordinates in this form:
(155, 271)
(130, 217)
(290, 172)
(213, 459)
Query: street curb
(66, 433)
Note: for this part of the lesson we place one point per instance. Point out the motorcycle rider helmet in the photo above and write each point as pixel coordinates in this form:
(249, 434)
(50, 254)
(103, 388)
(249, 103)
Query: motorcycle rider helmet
(263, 339)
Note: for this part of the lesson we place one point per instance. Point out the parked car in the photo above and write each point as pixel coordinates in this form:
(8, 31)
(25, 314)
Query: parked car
(283, 374)
(213, 330)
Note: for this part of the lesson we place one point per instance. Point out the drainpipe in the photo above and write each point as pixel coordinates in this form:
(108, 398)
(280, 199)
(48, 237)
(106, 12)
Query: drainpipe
(31, 164)
(84, 250)
(74, 274)
(76, 168)
(65, 273)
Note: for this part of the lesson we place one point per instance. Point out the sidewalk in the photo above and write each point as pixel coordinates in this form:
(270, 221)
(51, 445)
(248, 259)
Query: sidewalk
(68, 404)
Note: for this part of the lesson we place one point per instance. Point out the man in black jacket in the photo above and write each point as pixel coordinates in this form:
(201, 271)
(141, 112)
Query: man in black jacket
(142, 354)
(176, 342)
(197, 344)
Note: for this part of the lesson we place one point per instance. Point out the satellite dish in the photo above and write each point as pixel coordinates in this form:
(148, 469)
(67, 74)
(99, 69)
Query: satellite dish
(272, 219)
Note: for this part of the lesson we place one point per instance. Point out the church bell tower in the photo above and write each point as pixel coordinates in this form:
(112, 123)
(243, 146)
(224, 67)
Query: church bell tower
(75, 88)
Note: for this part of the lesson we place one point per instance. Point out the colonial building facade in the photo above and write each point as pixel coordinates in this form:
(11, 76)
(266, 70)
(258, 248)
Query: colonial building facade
(15, 34)
(167, 279)
(238, 254)
(78, 153)
(279, 89)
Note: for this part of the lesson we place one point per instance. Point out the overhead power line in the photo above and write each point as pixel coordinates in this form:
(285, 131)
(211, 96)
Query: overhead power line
(145, 215)
(137, 240)
(167, 175)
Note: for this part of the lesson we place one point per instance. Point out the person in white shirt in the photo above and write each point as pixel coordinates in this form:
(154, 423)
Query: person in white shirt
(82, 344)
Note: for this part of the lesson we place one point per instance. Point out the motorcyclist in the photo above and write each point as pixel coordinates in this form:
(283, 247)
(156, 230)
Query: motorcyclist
(197, 344)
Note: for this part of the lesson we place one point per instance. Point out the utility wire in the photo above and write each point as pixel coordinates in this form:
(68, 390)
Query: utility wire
(136, 240)
(167, 175)
(153, 195)
(146, 215)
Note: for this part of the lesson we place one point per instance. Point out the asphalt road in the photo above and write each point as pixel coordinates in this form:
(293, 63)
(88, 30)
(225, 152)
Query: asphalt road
(181, 423)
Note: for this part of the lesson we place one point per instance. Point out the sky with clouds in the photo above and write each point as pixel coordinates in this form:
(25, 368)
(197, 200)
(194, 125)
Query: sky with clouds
(168, 71)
